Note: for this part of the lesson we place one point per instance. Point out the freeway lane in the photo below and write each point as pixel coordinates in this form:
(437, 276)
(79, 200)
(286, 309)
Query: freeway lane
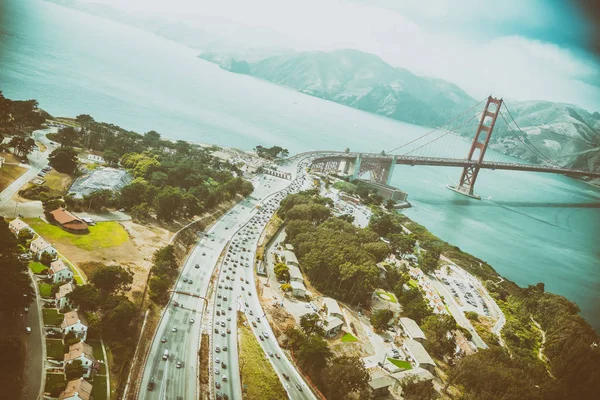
(183, 344)
(236, 284)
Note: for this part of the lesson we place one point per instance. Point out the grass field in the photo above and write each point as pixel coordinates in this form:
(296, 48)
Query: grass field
(400, 363)
(258, 375)
(8, 174)
(57, 182)
(55, 349)
(45, 289)
(349, 338)
(387, 295)
(101, 236)
(99, 388)
(98, 354)
(53, 379)
(52, 317)
(413, 283)
(36, 267)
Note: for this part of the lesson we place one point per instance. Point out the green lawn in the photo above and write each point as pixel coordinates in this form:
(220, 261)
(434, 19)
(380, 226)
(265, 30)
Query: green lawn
(45, 289)
(387, 295)
(101, 236)
(99, 388)
(260, 380)
(36, 267)
(98, 354)
(413, 283)
(55, 349)
(400, 363)
(52, 317)
(349, 338)
(53, 379)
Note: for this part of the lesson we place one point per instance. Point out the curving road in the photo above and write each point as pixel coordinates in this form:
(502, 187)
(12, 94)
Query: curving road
(176, 331)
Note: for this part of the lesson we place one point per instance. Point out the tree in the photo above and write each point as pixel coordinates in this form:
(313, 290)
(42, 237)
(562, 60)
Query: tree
(413, 304)
(390, 204)
(402, 243)
(25, 235)
(282, 272)
(345, 375)
(67, 136)
(379, 250)
(119, 313)
(74, 370)
(313, 354)
(429, 260)
(436, 329)
(86, 297)
(286, 288)
(311, 324)
(164, 258)
(380, 318)
(63, 159)
(168, 202)
(46, 259)
(152, 139)
(21, 145)
(100, 199)
(140, 212)
(414, 389)
(111, 158)
(112, 279)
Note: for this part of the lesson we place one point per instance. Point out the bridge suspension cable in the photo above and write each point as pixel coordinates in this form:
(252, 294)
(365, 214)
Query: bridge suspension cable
(447, 133)
(435, 129)
(524, 140)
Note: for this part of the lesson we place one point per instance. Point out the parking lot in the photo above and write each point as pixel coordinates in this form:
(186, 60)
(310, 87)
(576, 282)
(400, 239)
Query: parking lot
(464, 291)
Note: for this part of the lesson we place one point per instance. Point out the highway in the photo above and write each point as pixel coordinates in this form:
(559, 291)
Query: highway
(180, 326)
(236, 291)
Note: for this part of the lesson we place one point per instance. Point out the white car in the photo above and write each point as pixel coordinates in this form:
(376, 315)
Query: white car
(28, 329)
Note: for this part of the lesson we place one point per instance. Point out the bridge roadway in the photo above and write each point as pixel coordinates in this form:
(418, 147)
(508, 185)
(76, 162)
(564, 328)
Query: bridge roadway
(451, 162)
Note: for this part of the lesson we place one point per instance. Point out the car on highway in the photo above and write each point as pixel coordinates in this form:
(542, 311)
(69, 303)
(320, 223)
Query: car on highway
(223, 365)
(224, 348)
(217, 361)
(270, 354)
(174, 329)
(28, 329)
(151, 384)
(197, 266)
(217, 331)
(254, 324)
(190, 281)
(185, 280)
(203, 254)
(285, 376)
(224, 378)
(178, 365)
(278, 356)
(217, 371)
(163, 340)
(191, 320)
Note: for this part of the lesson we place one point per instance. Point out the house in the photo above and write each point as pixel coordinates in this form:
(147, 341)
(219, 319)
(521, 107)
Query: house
(96, 159)
(412, 330)
(415, 374)
(39, 246)
(419, 355)
(332, 326)
(380, 385)
(61, 296)
(74, 322)
(83, 352)
(289, 247)
(68, 221)
(298, 289)
(333, 308)
(77, 389)
(295, 274)
(416, 273)
(16, 226)
(290, 258)
(59, 272)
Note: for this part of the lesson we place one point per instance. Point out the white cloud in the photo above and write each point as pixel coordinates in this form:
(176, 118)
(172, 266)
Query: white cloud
(511, 66)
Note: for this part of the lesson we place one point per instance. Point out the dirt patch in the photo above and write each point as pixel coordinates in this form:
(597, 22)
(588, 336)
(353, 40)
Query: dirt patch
(10, 158)
(204, 362)
(10, 173)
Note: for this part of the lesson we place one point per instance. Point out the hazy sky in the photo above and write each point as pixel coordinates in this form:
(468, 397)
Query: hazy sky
(517, 49)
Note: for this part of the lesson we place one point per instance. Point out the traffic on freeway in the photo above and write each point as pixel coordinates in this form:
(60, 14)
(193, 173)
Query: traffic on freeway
(236, 291)
(171, 369)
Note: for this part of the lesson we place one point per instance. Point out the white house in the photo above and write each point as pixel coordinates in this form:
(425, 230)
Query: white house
(60, 272)
(61, 296)
(332, 326)
(333, 308)
(416, 273)
(418, 355)
(16, 226)
(74, 322)
(411, 329)
(295, 274)
(83, 352)
(298, 289)
(290, 258)
(39, 246)
(77, 389)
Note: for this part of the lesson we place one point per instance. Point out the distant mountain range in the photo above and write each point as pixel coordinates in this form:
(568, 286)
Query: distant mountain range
(565, 133)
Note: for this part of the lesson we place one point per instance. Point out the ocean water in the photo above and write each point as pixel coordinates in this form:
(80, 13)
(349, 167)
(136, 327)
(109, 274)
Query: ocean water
(529, 227)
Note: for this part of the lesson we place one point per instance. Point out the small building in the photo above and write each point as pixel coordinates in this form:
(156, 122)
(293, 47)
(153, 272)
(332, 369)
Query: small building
(416, 273)
(411, 329)
(68, 221)
(39, 246)
(418, 355)
(332, 326)
(83, 352)
(380, 385)
(289, 247)
(59, 272)
(74, 322)
(16, 226)
(295, 274)
(416, 374)
(333, 308)
(61, 298)
(95, 158)
(290, 258)
(298, 289)
(77, 389)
